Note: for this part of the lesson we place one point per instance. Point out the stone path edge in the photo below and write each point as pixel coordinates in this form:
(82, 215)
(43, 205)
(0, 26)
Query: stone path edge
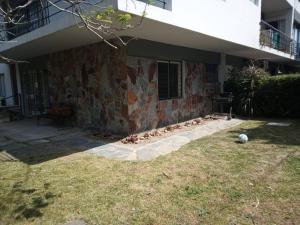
(166, 145)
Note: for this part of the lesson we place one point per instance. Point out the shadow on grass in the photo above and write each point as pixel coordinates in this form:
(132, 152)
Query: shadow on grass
(289, 135)
(31, 143)
(27, 202)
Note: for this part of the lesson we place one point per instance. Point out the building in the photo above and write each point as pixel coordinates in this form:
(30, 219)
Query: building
(169, 74)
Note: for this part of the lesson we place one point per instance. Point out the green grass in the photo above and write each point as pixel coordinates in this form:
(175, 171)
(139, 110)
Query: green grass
(209, 181)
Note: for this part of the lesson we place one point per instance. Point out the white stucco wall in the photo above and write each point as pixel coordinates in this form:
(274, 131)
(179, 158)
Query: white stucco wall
(232, 20)
(297, 7)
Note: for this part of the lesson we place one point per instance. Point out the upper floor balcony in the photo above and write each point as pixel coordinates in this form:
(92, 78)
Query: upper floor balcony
(272, 37)
(28, 19)
(40, 13)
(182, 25)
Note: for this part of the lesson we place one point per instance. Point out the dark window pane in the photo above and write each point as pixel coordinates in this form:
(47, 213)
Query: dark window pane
(173, 80)
(163, 80)
(158, 3)
(212, 73)
(169, 80)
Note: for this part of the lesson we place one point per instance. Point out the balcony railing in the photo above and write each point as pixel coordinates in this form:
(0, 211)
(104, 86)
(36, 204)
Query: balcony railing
(276, 39)
(297, 50)
(164, 4)
(30, 18)
(36, 15)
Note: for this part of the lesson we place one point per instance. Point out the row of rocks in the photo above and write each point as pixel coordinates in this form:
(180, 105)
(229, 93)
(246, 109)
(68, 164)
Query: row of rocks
(136, 139)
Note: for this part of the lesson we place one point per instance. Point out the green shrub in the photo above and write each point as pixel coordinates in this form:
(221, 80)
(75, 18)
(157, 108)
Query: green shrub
(273, 96)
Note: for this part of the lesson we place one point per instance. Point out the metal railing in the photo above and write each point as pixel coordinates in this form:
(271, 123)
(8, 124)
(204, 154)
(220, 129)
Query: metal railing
(30, 18)
(36, 15)
(159, 3)
(15, 99)
(297, 50)
(274, 38)
(39, 13)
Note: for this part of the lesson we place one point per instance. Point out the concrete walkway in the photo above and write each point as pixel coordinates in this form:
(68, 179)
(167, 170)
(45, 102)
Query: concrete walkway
(32, 143)
(164, 145)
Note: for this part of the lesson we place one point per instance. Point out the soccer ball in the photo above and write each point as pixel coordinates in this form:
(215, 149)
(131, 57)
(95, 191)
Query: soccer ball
(243, 138)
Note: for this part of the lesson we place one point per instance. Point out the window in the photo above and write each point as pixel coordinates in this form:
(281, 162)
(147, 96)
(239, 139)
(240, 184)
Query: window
(169, 80)
(2, 85)
(211, 72)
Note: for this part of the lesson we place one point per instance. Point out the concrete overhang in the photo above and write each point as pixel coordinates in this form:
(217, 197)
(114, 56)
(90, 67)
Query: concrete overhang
(150, 30)
(269, 6)
(297, 16)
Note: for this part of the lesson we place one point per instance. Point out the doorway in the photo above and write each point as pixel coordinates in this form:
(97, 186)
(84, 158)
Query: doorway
(34, 92)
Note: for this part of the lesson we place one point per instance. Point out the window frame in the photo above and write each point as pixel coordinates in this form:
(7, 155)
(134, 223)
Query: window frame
(180, 76)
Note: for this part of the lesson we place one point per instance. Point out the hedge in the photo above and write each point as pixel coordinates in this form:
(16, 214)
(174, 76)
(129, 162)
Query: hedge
(274, 96)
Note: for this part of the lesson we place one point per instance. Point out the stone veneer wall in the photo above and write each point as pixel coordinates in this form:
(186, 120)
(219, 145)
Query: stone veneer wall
(93, 79)
(119, 93)
(145, 109)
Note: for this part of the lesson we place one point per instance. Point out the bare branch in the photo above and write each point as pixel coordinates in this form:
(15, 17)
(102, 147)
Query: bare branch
(103, 21)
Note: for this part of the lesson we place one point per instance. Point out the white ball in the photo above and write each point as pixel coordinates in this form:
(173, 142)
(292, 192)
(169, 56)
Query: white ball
(243, 138)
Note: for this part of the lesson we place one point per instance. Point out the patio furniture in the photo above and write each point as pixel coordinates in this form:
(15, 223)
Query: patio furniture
(221, 101)
(59, 113)
(12, 105)
(15, 113)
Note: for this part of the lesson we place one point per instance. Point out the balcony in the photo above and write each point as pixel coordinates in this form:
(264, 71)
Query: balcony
(30, 18)
(164, 4)
(297, 51)
(276, 39)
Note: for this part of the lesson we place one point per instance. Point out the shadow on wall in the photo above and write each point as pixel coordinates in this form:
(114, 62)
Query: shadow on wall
(280, 135)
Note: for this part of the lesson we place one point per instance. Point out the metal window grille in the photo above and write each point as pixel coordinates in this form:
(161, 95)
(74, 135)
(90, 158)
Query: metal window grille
(169, 80)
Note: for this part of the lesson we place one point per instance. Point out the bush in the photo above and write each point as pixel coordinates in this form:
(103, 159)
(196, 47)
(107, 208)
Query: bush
(272, 96)
(278, 96)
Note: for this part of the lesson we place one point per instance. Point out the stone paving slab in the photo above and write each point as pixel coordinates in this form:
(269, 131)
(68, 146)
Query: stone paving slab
(76, 222)
(13, 146)
(29, 130)
(163, 146)
(112, 151)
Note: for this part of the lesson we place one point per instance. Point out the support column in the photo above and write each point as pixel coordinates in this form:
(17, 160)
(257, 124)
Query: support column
(18, 79)
(6, 82)
(222, 71)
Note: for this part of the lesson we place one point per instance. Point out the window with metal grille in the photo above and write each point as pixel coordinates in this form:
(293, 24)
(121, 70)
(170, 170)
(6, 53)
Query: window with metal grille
(211, 73)
(2, 85)
(169, 80)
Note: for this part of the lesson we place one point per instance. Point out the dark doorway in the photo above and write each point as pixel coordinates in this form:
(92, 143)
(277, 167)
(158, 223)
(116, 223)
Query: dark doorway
(35, 91)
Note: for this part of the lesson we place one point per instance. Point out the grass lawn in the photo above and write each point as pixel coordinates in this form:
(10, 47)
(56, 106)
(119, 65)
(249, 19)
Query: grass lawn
(209, 181)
